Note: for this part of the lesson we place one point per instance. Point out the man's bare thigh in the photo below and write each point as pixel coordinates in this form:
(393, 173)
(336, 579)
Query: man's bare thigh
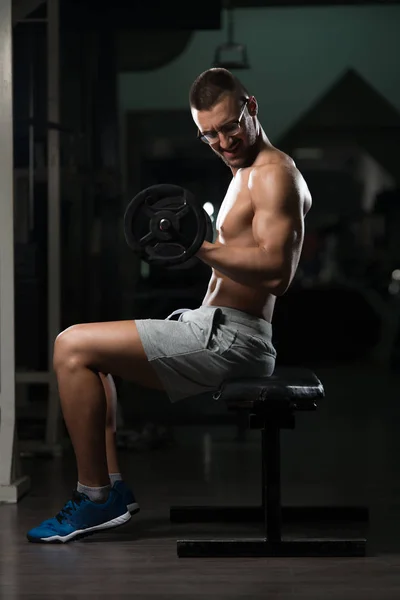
(112, 347)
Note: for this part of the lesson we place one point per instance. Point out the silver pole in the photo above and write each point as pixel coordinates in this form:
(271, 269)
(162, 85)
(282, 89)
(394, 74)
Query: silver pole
(7, 343)
(11, 488)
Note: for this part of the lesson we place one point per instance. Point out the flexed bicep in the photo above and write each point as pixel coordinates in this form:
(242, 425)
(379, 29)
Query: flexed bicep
(278, 222)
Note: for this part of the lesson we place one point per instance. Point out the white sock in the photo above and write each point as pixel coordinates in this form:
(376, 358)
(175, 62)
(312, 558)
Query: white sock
(115, 477)
(95, 494)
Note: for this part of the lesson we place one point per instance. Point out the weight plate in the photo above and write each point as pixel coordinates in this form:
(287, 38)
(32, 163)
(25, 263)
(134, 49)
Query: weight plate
(165, 225)
(192, 262)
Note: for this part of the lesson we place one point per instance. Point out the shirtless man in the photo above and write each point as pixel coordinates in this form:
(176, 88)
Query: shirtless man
(260, 234)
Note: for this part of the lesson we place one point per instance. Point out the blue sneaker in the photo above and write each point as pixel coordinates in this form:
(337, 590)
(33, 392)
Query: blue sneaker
(81, 517)
(127, 496)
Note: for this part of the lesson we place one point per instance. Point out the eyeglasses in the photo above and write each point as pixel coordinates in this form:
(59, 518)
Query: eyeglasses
(228, 130)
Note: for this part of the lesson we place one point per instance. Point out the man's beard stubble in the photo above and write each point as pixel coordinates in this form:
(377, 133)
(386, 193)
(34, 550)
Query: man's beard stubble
(241, 162)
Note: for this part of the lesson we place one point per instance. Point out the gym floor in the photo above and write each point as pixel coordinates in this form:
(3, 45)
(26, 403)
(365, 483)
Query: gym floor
(348, 452)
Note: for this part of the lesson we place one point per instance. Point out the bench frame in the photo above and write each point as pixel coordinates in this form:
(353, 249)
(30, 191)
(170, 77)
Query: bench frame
(270, 417)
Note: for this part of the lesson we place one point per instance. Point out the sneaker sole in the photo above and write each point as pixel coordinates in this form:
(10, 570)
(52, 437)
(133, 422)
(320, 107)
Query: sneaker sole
(133, 508)
(81, 533)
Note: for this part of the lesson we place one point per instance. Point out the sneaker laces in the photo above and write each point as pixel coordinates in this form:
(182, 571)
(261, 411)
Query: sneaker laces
(71, 506)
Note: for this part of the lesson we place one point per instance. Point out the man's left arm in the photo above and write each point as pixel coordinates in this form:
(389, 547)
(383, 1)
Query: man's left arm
(278, 230)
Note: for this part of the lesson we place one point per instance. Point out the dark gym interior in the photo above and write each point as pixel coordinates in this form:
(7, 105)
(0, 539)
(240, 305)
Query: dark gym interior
(99, 112)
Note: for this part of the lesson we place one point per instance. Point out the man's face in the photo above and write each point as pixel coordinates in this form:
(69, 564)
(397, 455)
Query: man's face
(233, 142)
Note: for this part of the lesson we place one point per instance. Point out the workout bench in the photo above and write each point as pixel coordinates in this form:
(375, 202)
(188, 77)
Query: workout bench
(271, 404)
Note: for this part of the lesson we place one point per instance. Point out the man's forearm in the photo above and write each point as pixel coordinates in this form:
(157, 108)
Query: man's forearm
(247, 266)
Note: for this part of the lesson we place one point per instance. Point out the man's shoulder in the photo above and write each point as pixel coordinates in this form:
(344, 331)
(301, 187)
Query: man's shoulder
(277, 169)
(278, 177)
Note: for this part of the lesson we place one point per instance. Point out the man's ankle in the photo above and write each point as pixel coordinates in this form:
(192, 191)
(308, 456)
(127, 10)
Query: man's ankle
(115, 477)
(95, 494)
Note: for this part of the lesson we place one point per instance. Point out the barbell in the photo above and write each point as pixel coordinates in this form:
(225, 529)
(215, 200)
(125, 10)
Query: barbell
(165, 225)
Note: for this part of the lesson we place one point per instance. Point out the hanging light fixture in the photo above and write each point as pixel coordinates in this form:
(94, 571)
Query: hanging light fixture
(231, 55)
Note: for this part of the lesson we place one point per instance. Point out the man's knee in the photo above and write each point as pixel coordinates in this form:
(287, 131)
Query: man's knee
(68, 348)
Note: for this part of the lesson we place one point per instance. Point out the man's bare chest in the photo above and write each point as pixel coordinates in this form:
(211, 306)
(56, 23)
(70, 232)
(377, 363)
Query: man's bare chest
(236, 213)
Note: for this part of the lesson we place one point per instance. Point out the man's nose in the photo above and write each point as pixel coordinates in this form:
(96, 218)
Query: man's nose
(225, 140)
(224, 136)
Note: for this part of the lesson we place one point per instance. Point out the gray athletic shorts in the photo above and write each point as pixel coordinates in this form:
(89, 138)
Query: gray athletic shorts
(206, 346)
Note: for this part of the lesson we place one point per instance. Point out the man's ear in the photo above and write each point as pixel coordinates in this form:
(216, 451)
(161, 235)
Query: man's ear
(252, 106)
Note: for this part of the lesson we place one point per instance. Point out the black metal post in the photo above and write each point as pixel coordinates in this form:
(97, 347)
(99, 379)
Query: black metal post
(271, 481)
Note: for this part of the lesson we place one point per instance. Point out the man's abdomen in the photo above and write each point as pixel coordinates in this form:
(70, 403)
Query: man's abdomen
(222, 291)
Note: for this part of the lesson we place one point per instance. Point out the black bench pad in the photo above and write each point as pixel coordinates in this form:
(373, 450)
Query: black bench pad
(300, 387)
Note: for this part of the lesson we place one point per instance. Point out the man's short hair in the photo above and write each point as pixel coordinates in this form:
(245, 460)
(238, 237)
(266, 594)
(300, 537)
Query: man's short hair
(211, 85)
